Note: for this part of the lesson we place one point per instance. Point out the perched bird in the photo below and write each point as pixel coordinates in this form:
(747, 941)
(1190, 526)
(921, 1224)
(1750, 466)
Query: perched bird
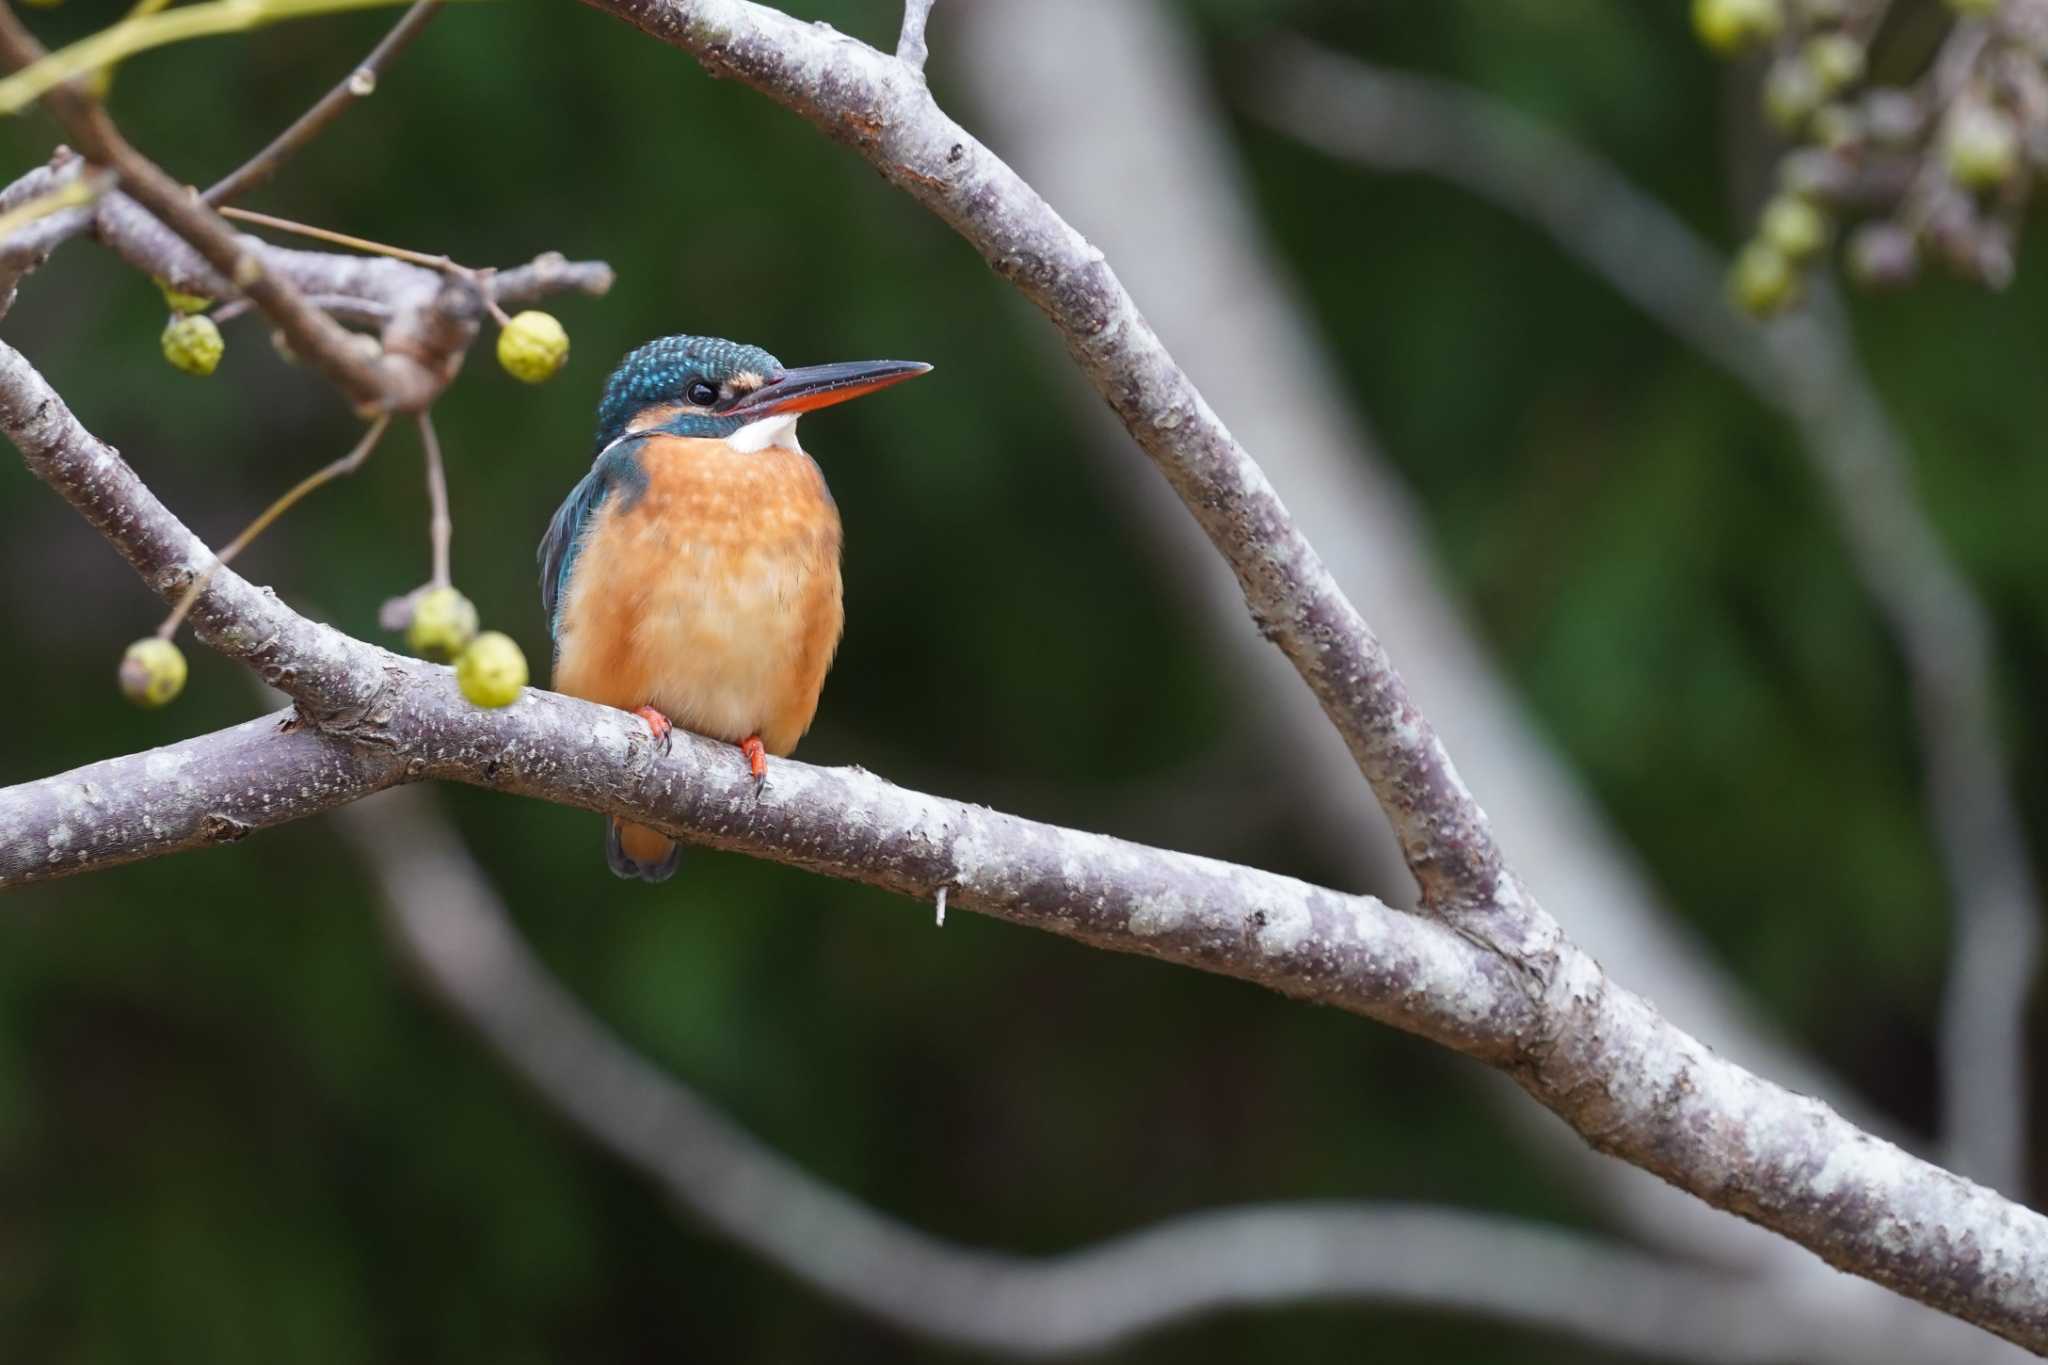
(693, 575)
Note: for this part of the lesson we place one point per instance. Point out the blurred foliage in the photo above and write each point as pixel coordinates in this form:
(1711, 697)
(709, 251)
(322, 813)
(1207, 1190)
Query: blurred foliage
(231, 1131)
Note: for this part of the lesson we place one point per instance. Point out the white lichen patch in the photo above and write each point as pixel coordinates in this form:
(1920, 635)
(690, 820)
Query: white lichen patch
(1156, 915)
(1288, 925)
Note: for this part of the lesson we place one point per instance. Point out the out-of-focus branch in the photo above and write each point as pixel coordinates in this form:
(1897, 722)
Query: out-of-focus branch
(1805, 369)
(359, 84)
(442, 915)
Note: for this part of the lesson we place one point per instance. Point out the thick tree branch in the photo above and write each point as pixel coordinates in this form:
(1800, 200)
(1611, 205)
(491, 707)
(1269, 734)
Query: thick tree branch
(1627, 1080)
(1803, 368)
(442, 915)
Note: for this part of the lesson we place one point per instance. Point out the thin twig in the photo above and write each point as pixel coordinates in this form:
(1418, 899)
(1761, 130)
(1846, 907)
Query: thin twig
(910, 45)
(440, 527)
(347, 464)
(356, 86)
(271, 220)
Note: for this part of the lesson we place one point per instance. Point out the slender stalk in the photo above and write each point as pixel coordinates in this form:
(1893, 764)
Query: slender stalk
(337, 238)
(440, 528)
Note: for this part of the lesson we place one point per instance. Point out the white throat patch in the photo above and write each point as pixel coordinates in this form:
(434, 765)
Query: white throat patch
(779, 430)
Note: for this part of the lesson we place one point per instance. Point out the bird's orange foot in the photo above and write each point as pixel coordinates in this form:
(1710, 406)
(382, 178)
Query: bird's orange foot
(757, 759)
(657, 722)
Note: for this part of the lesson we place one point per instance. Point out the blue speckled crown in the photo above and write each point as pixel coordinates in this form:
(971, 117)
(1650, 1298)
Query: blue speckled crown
(661, 371)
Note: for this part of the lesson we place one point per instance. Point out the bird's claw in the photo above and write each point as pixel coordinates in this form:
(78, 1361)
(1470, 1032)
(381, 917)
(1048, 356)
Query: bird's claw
(661, 725)
(757, 760)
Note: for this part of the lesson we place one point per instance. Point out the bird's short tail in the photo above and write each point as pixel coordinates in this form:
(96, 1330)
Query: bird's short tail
(637, 852)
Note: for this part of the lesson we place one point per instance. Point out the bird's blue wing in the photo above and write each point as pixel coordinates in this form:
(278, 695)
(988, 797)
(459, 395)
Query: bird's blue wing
(617, 470)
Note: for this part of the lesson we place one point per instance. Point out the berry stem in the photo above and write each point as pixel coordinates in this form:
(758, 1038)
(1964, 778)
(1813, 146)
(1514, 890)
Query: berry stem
(342, 239)
(440, 526)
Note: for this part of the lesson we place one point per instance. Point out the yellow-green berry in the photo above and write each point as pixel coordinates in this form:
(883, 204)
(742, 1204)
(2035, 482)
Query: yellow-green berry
(1794, 226)
(1982, 148)
(1836, 59)
(1730, 26)
(443, 621)
(1763, 280)
(180, 301)
(1837, 127)
(1791, 93)
(533, 347)
(152, 672)
(492, 670)
(193, 343)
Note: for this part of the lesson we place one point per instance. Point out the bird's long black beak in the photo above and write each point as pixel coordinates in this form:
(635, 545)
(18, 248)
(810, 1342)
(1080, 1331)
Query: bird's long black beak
(820, 386)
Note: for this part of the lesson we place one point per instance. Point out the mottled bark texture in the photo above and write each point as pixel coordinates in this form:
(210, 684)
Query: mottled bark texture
(1491, 975)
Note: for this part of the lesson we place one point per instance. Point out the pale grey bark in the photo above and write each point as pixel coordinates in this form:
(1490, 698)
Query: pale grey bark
(1804, 368)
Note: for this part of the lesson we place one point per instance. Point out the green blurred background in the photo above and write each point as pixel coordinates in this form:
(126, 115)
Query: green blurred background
(231, 1131)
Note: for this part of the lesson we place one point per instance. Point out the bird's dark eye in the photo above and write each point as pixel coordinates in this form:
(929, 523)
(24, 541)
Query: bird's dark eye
(702, 394)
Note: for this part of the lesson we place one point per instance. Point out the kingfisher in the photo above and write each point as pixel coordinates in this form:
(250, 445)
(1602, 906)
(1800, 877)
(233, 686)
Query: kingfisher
(692, 577)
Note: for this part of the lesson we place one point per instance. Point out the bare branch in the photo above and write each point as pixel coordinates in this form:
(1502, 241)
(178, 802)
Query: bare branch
(910, 47)
(359, 84)
(1627, 1080)
(27, 249)
(466, 950)
(1805, 369)
(214, 789)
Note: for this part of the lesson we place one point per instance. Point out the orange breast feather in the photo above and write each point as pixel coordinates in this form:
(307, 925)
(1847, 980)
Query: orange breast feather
(715, 597)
